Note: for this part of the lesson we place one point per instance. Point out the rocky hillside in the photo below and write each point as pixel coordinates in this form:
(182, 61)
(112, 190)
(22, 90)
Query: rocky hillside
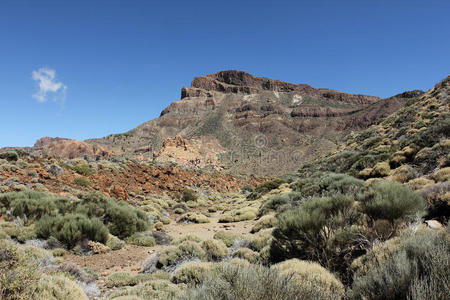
(410, 146)
(417, 135)
(258, 126)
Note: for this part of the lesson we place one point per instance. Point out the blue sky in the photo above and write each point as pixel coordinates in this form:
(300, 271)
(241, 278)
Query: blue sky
(117, 64)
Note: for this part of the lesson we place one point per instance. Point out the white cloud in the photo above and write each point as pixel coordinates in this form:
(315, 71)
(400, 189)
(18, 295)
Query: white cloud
(48, 85)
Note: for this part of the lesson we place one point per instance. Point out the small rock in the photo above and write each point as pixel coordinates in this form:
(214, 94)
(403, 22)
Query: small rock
(433, 224)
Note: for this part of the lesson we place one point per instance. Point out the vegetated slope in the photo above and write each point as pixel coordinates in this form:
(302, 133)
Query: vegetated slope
(411, 146)
(416, 135)
(258, 125)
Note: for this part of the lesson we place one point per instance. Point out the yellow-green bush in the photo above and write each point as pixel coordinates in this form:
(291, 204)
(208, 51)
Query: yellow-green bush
(240, 282)
(194, 218)
(247, 254)
(84, 169)
(144, 238)
(58, 287)
(309, 273)
(379, 254)
(402, 174)
(419, 183)
(381, 169)
(153, 289)
(172, 254)
(442, 174)
(59, 252)
(267, 221)
(21, 233)
(188, 237)
(215, 249)
(34, 253)
(227, 237)
(120, 279)
(418, 270)
(262, 239)
(114, 243)
(18, 275)
(192, 272)
(82, 181)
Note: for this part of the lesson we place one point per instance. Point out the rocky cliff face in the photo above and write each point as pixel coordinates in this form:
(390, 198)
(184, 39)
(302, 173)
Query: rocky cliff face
(262, 126)
(244, 83)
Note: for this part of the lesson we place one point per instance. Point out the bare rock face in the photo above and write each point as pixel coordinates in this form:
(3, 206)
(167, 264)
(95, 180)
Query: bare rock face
(66, 148)
(252, 125)
(242, 82)
(198, 154)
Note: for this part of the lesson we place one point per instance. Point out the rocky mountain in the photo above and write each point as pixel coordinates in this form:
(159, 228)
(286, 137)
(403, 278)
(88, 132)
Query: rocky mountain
(258, 125)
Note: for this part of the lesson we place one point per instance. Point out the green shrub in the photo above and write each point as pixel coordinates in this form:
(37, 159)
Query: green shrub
(142, 239)
(321, 229)
(215, 249)
(265, 187)
(327, 183)
(82, 181)
(188, 195)
(33, 204)
(33, 207)
(33, 253)
(121, 219)
(18, 275)
(391, 201)
(275, 203)
(72, 228)
(379, 254)
(246, 189)
(9, 156)
(84, 169)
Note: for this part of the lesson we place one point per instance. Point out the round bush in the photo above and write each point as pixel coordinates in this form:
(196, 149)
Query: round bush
(215, 249)
(312, 274)
(391, 201)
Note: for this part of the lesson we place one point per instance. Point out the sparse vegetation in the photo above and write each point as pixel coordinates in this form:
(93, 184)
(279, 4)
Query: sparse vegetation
(82, 181)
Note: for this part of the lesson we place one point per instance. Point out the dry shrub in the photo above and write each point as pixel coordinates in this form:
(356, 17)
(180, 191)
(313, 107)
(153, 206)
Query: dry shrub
(215, 249)
(57, 287)
(192, 272)
(311, 275)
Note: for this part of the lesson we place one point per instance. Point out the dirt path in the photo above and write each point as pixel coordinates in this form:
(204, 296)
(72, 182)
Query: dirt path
(130, 258)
